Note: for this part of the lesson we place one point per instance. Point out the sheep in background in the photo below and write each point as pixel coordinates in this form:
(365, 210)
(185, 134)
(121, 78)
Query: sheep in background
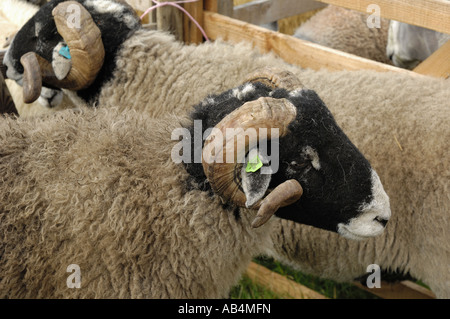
(401, 124)
(13, 15)
(408, 45)
(346, 30)
(81, 189)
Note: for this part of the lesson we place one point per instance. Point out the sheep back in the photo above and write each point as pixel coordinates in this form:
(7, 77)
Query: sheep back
(99, 189)
(347, 30)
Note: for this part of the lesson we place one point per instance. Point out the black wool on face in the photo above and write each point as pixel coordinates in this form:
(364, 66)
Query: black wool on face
(335, 176)
(336, 189)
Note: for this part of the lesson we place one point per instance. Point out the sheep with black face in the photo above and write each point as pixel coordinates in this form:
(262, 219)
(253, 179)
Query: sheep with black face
(341, 191)
(98, 204)
(89, 59)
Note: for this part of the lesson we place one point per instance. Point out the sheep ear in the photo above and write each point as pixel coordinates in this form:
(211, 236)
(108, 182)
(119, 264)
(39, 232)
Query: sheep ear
(61, 60)
(254, 183)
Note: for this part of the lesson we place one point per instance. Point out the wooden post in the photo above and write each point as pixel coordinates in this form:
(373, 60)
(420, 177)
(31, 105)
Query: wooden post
(140, 6)
(437, 64)
(170, 19)
(191, 33)
(224, 7)
(7, 105)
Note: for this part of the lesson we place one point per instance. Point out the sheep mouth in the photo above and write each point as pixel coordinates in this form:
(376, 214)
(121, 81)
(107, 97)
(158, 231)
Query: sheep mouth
(346, 232)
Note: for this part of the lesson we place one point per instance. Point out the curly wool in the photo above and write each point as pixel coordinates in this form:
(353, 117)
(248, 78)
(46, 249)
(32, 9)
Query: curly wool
(347, 30)
(99, 189)
(154, 69)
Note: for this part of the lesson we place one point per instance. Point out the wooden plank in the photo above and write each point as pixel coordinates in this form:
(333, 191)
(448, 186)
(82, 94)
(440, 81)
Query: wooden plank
(7, 105)
(295, 51)
(431, 14)
(266, 11)
(191, 33)
(140, 6)
(280, 284)
(437, 64)
(399, 290)
(170, 19)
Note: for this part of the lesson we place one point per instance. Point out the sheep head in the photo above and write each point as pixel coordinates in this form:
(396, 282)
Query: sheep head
(321, 178)
(61, 47)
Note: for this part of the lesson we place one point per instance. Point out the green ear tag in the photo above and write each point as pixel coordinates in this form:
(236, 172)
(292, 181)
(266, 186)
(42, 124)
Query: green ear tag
(254, 165)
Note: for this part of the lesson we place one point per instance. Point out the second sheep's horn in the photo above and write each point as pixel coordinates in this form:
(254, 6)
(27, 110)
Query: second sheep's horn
(265, 112)
(86, 50)
(276, 78)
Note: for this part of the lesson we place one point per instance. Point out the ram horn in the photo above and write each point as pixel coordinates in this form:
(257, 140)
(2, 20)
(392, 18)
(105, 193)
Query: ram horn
(83, 38)
(265, 113)
(284, 194)
(276, 78)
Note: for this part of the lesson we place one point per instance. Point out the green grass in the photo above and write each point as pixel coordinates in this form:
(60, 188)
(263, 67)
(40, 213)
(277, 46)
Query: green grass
(331, 289)
(249, 290)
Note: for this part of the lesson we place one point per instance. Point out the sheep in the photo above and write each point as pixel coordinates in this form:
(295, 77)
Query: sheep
(402, 128)
(13, 15)
(105, 190)
(175, 85)
(408, 45)
(348, 31)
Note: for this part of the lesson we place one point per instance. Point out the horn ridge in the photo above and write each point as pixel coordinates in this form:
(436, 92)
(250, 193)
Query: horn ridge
(276, 78)
(265, 112)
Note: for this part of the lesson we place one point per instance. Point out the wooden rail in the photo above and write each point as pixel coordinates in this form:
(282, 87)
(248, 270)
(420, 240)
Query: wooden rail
(296, 51)
(280, 284)
(431, 14)
(437, 64)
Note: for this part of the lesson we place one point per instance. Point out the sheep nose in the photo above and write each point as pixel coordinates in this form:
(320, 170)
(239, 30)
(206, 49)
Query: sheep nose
(381, 220)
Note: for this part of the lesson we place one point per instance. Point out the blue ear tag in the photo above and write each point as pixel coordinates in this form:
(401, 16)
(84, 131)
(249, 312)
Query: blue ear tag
(65, 52)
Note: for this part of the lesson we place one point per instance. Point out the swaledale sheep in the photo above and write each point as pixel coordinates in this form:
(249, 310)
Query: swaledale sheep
(376, 110)
(13, 15)
(347, 30)
(401, 124)
(105, 191)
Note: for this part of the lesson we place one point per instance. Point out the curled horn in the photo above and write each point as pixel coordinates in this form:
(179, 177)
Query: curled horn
(86, 49)
(265, 113)
(284, 194)
(276, 78)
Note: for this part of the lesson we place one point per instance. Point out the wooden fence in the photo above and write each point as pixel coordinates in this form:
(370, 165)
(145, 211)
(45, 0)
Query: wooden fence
(221, 19)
